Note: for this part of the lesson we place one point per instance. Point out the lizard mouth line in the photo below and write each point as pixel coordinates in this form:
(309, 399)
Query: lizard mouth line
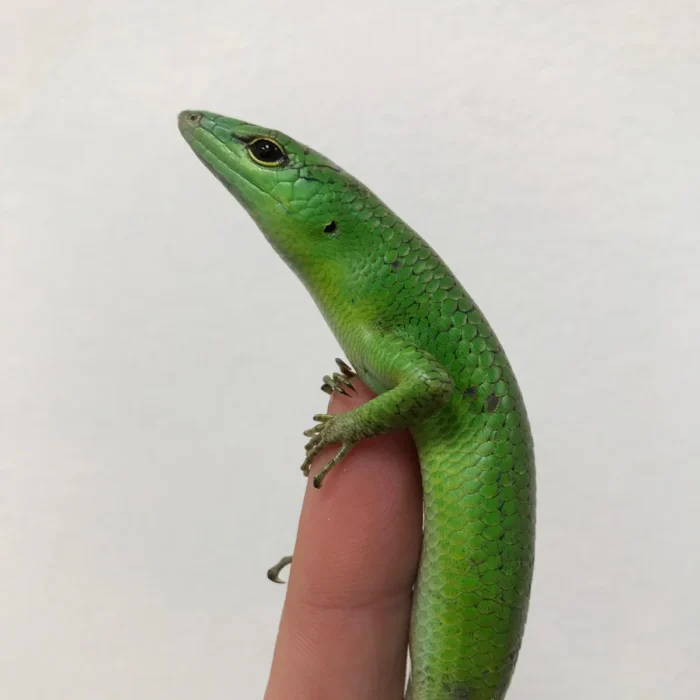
(212, 152)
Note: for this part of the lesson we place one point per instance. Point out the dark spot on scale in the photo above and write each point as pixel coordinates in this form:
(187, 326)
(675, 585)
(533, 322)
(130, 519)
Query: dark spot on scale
(395, 265)
(330, 227)
(492, 403)
(352, 301)
(469, 391)
(455, 693)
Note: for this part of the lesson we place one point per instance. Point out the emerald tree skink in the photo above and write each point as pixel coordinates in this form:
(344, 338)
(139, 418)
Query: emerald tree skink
(419, 341)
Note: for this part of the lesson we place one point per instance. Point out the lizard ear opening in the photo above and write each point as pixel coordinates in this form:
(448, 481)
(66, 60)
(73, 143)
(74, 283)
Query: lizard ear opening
(330, 227)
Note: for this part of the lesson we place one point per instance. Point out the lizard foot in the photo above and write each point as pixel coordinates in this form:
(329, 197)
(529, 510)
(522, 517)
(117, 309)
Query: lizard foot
(329, 429)
(339, 381)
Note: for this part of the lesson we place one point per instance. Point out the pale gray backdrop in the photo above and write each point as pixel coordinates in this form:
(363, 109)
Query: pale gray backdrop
(158, 362)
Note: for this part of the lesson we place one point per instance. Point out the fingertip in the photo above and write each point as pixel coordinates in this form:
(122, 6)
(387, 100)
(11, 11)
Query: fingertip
(365, 517)
(355, 559)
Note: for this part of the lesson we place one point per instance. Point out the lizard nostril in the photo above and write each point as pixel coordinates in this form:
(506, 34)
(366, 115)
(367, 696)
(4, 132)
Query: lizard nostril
(189, 120)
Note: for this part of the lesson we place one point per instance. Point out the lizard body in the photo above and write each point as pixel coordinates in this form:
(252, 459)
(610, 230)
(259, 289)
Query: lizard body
(418, 340)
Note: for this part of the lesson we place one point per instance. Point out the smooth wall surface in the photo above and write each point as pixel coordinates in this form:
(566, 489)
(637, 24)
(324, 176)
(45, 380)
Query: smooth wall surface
(158, 363)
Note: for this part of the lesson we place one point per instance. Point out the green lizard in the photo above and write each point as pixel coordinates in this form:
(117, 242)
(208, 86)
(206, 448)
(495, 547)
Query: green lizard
(417, 339)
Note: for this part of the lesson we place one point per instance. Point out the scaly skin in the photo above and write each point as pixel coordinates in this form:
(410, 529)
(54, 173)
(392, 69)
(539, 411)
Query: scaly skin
(417, 339)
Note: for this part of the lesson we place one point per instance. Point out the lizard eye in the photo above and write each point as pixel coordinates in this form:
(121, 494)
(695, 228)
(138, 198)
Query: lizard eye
(266, 152)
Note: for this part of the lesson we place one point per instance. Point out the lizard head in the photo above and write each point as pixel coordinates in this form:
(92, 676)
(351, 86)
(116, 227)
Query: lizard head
(301, 201)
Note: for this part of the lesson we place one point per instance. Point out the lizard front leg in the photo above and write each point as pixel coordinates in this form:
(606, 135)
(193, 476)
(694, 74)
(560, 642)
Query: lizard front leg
(419, 386)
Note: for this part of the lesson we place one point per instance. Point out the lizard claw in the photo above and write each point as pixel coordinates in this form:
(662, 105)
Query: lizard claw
(273, 573)
(339, 381)
(345, 368)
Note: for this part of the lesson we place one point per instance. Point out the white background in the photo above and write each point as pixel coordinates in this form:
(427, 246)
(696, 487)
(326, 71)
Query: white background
(158, 363)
